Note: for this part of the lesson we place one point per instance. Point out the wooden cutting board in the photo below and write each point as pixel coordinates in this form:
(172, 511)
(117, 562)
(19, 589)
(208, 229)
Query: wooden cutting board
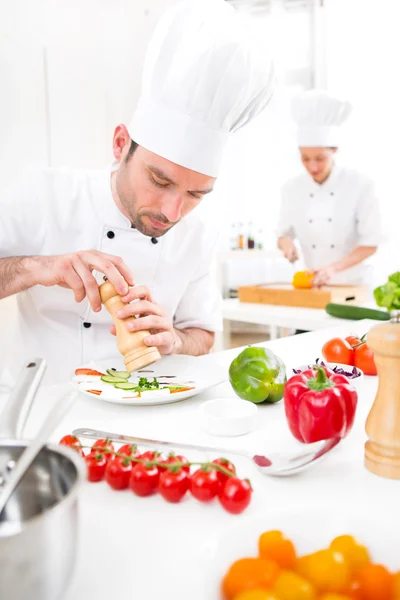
(284, 294)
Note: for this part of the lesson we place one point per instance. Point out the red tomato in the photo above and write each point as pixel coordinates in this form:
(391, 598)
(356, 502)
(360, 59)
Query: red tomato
(353, 340)
(235, 496)
(118, 472)
(205, 484)
(226, 464)
(151, 455)
(144, 480)
(174, 485)
(364, 360)
(71, 441)
(337, 350)
(99, 444)
(173, 459)
(96, 465)
(129, 450)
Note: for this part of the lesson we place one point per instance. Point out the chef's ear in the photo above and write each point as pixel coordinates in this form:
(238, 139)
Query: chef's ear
(121, 142)
(334, 150)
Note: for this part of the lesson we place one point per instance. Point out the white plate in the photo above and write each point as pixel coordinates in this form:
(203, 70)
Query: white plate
(310, 530)
(200, 373)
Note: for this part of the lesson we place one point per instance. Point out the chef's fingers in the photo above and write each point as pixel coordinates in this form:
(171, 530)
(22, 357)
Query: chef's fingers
(119, 263)
(141, 307)
(165, 338)
(96, 260)
(150, 322)
(113, 331)
(72, 281)
(319, 279)
(89, 282)
(138, 292)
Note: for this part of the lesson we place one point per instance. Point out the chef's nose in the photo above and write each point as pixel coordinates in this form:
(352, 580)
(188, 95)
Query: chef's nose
(172, 207)
(313, 166)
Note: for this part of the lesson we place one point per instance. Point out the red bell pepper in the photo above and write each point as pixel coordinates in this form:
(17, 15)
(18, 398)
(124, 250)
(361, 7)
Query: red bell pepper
(319, 404)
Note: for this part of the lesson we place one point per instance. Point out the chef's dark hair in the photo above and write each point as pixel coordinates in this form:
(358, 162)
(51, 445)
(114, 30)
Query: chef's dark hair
(131, 150)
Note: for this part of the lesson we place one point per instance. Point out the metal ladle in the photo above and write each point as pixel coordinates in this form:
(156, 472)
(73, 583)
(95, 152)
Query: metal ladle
(275, 465)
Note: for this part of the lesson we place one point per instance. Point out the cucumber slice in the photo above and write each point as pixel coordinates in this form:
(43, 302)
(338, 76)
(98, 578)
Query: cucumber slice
(347, 311)
(119, 374)
(125, 386)
(108, 379)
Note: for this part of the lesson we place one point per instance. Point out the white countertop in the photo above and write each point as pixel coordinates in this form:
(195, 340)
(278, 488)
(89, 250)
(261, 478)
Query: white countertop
(147, 549)
(294, 317)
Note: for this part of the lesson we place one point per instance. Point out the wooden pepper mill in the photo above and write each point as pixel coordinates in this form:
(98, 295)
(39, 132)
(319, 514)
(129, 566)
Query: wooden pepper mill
(130, 343)
(382, 450)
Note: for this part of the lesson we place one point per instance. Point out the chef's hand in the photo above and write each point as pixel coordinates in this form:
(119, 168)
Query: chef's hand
(323, 276)
(289, 249)
(152, 317)
(74, 271)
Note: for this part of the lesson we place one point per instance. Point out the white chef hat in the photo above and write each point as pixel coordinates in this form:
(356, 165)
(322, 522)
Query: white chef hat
(203, 79)
(319, 116)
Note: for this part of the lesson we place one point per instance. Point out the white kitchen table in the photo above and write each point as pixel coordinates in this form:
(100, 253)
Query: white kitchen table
(148, 549)
(290, 317)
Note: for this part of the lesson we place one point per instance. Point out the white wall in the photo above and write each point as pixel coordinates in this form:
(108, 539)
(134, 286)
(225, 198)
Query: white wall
(363, 51)
(85, 58)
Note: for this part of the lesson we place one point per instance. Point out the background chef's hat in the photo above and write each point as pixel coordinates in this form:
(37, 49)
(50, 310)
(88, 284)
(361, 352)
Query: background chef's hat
(203, 79)
(319, 116)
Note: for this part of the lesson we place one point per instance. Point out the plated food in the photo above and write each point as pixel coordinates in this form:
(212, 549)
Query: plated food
(171, 379)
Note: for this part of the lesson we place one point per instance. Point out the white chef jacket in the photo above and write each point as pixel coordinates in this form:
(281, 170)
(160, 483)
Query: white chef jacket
(330, 219)
(59, 211)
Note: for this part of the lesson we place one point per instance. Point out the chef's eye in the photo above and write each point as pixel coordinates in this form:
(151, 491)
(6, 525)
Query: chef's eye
(158, 183)
(197, 196)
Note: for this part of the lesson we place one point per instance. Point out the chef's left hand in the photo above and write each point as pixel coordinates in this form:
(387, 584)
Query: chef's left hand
(323, 276)
(152, 317)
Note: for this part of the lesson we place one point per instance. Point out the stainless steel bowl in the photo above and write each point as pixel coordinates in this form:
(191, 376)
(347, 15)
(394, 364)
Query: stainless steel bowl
(39, 525)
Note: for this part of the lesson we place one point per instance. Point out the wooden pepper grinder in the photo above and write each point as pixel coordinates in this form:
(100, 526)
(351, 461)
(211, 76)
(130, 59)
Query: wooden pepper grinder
(382, 450)
(130, 343)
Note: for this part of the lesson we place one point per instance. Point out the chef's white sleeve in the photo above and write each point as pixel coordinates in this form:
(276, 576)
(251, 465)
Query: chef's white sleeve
(23, 218)
(368, 217)
(201, 303)
(285, 221)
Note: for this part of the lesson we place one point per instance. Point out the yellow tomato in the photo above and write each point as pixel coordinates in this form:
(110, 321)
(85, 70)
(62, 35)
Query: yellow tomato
(354, 553)
(396, 586)
(334, 597)
(290, 586)
(326, 569)
(273, 545)
(257, 595)
(248, 574)
(373, 582)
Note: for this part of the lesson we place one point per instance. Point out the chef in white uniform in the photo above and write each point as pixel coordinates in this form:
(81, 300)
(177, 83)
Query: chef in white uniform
(331, 210)
(61, 230)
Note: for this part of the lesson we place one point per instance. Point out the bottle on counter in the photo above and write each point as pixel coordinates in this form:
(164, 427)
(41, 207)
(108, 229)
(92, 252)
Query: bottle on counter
(240, 237)
(260, 239)
(251, 238)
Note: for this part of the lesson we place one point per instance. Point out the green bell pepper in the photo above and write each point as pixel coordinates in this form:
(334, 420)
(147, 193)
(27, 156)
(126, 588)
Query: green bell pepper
(258, 375)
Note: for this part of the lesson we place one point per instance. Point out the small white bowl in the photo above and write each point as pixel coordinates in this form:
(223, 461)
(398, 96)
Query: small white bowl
(228, 416)
(357, 382)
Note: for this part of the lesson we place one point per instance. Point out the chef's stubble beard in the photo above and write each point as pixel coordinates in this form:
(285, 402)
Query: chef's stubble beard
(135, 216)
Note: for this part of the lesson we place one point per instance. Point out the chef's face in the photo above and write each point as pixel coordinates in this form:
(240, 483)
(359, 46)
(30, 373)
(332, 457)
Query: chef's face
(318, 162)
(151, 191)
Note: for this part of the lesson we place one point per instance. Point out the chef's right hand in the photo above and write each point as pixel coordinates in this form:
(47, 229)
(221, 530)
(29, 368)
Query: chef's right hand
(289, 250)
(74, 271)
